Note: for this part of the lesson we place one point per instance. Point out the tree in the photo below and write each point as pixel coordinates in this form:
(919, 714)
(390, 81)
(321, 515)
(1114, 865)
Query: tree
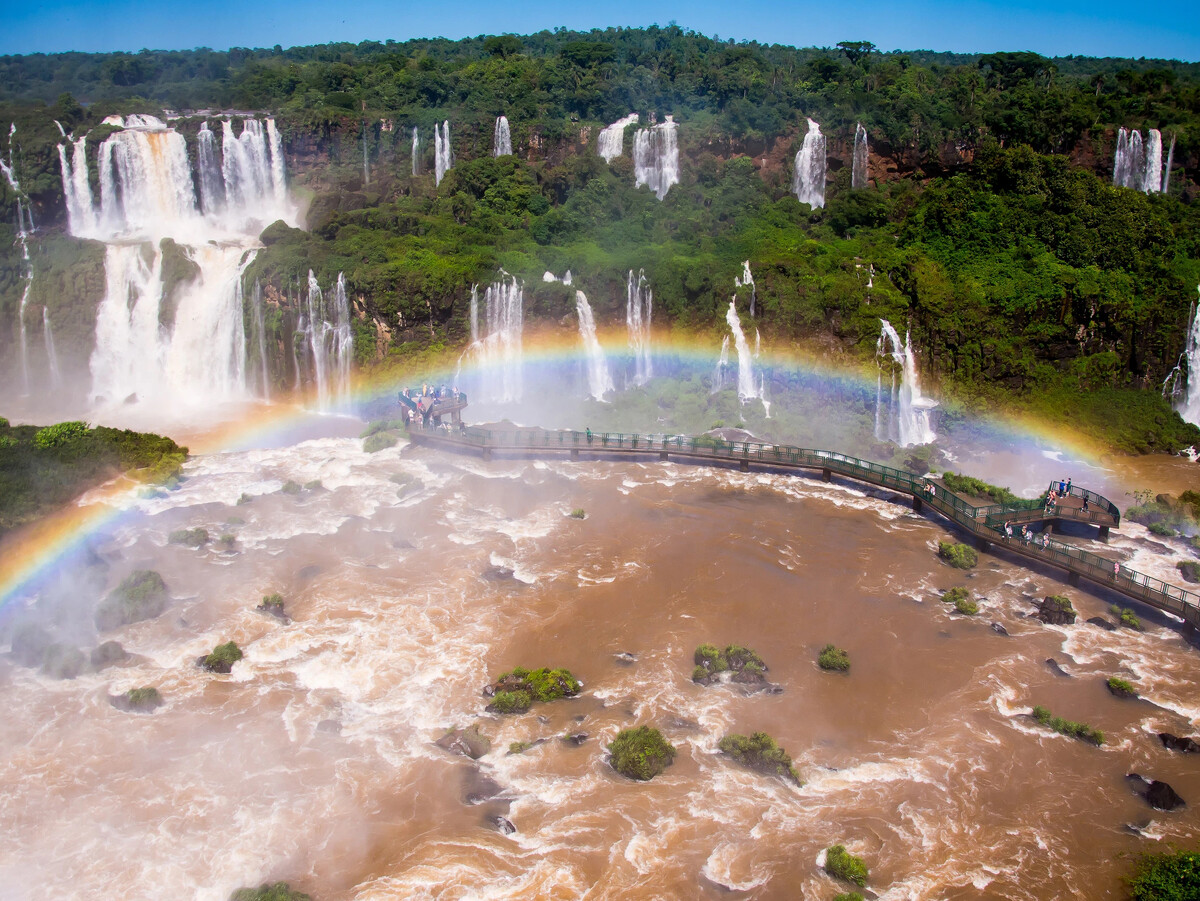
(856, 50)
(503, 45)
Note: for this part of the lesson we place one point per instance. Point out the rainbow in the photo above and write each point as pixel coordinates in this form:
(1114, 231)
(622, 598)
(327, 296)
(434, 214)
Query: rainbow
(33, 554)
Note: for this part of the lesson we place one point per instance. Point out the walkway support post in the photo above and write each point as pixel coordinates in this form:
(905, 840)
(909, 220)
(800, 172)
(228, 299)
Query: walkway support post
(744, 465)
(1073, 579)
(826, 475)
(574, 453)
(917, 505)
(1104, 533)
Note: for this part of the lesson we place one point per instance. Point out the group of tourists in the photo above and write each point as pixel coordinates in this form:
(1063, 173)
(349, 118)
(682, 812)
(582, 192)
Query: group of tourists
(1028, 536)
(1061, 490)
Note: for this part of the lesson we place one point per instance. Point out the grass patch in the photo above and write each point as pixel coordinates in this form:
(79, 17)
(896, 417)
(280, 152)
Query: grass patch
(640, 753)
(377, 442)
(833, 658)
(141, 595)
(138, 700)
(841, 864)
(1082, 731)
(1161, 529)
(760, 752)
(196, 538)
(977, 488)
(960, 556)
(1126, 617)
(734, 658)
(961, 599)
(222, 658)
(291, 487)
(1122, 688)
(578, 513)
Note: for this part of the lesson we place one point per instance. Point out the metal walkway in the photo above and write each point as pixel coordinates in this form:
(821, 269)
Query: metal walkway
(985, 523)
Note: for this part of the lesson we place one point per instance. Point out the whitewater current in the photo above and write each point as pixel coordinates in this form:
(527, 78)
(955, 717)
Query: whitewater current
(412, 578)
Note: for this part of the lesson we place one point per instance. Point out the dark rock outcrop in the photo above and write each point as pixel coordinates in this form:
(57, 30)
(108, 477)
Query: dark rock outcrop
(999, 629)
(504, 825)
(576, 738)
(1056, 667)
(1182, 744)
(1056, 611)
(1158, 795)
(469, 742)
(1102, 623)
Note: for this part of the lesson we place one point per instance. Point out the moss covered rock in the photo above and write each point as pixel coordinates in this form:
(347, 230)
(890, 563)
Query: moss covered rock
(760, 752)
(138, 700)
(841, 864)
(960, 556)
(222, 658)
(1056, 610)
(469, 742)
(279, 891)
(640, 753)
(196, 538)
(833, 658)
(516, 691)
(107, 654)
(141, 595)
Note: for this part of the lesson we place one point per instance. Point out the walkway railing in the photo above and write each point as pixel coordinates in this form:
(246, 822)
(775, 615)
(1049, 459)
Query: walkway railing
(985, 522)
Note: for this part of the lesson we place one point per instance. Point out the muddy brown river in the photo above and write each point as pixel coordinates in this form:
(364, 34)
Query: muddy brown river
(413, 578)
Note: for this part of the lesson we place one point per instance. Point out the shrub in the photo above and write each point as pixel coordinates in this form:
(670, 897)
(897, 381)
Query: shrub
(833, 658)
(699, 674)
(1126, 617)
(977, 488)
(1166, 877)
(510, 702)
(1161, 528)
(244, 499)
(739, 658)
(519, 747)
(59, 434)
(313, 485)
(961, 599)
(381, 425)
(189, 537)
(709, 657)
(222, 658)
(578, 513)
(141, 595)
(290, 487)
(377, 442)
(1082, 731)
(280, 891)
(640, 753)
(518, 689)
(848, 896)
(1061, 601)
(760, 752)
(227, 542)
(139, 700)
(1121, 687)
(273, 600)
(8, 441)
(734, 658)
(960, 556)
(3, 423)
(841, 864)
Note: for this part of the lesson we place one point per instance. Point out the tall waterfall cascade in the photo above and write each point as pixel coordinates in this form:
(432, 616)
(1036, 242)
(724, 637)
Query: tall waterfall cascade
(51, 353)
(656, 157)
(1166, 178)
(1138, 163)
(611, 142)
(600, 380)
(1183, 384)
(858, 170)
(747, 384)
(808, 179)
(746, 280)
(326, 326)
(415, 142)
(24, 227)
(902, 413)
(258, 342)
(639, 313)
(497, 355)
(188, 349)
(721, 370)
(443, 159)
(501, 138)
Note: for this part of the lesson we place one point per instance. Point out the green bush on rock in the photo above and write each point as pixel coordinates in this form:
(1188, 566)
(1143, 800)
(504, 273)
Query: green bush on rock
(640, 753)
(848, 896)
(141, 595)
(961, 599)
(977, 488)
(59, 434)
(377, 442)
(222, 658)
(189, 537)
(841, 864)
(138, 700)
(760, 752)
(960, 556)
(1082, 731)
(279, 891)
(515, 691)
(1126, 617)
(1122, 688)
(734, 658)
(833, 658)
(1166, 877)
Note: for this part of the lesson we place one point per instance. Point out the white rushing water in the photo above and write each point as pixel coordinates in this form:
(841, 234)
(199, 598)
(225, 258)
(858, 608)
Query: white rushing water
(611, 142)
(443, 157)
(639, 312)
(808, 178)
(656, 157)
(600, 380)
(1182, 385)
(258, 341)
(746, 280)
(858, 171)
(1138, 164)
(501, 138)
(1166, 178)
(722, 367)
(330, 339)
(747, 384)
(496, 359)
(903, 415)
(24, 227)
(187, 349)
(414, 152)
(51, 354)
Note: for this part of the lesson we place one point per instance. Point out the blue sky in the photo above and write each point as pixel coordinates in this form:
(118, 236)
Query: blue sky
(1169, 29)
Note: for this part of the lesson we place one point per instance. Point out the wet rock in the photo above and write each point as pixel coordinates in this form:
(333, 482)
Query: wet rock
(1102, 623)
(29, 644)
(137, 700)
(274, 610)
(108, 654)
(1056, 610)
(469, 742)
(504, 825)
(1158, 794)
(685, 725)
(307, 573)
(1056, 667)
(1177, 743)
(329, 727)
(576, 739)
(1136, 828)
(544, 720)
(498, 574)
(625, 658)
(478, 788)
(402, 544)
(999, 629)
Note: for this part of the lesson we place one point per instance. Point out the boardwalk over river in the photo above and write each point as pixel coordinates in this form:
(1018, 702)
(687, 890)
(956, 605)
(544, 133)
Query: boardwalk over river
(985, 523)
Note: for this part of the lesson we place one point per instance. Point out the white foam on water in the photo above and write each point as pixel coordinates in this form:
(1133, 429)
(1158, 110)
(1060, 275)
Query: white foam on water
(725, 859)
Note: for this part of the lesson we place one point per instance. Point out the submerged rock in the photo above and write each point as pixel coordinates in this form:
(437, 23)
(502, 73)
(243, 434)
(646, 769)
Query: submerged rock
(478, 788)
(504, 825)
(1182, 744)
(999, 629)
(1102, 623)
(1158, 794)
(330, 727)
(576, 738)
(1056, 610)
(107, 654)
(1056, 667)
(469, 742)
(624, 658)
(499, 574)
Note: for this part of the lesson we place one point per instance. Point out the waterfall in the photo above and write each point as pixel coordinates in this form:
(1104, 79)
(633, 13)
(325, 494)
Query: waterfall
(501, 138)
(260, 335)
(1121, 160)
(639, 311)
(443, 156)
(1152, 180)
(1183, 384)
(210, 175)
(415, 170)
(611, 142)
(858, 173)
(718, 378)
(190, 348)
(24, 226)
(746, 280)
(330, 341)
(498, 355)
(1166, 177)
(656, 158)
(746, 387)
(51, 354)
(907, 411)
(1129, 163)
(366, 167)
(808, 180)
(600, 381)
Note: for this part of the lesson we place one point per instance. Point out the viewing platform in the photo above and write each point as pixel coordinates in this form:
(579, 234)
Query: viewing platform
(985, 523)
